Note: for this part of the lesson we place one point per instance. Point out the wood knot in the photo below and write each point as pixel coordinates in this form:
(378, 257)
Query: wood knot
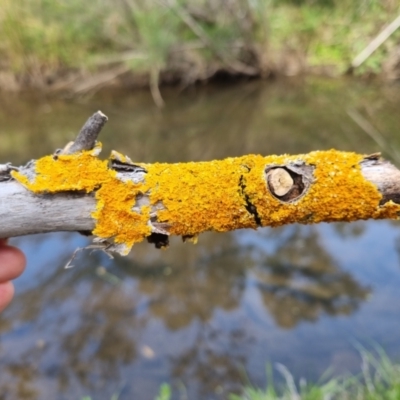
(290, 182)
(280, 182)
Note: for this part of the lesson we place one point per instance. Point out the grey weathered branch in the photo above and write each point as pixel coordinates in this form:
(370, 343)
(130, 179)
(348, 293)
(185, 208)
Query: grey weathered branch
(24, 213)
(384, 175)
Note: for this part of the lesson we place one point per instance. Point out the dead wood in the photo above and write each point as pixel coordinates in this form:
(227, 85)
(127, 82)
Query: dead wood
(123, 202)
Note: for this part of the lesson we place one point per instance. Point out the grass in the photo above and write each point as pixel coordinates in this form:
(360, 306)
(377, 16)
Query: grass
(41, 38)
(332, 33)
(379, 380)
(44, 41)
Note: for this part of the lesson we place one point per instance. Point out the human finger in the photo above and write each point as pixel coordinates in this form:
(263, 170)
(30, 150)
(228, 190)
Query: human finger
(12, 262)
(6, 294)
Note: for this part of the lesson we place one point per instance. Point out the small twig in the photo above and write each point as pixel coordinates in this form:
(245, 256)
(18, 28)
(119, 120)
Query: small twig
(86, 138)
(375, 43)
(69, 265)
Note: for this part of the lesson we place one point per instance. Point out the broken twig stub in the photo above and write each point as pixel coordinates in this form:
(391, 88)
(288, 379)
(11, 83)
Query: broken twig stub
(124, 202)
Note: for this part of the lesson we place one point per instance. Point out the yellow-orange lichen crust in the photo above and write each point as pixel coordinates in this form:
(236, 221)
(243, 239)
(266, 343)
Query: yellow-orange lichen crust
(200, 196)
(115, 199)
(339, 191)
(215, 195)
(82, 171)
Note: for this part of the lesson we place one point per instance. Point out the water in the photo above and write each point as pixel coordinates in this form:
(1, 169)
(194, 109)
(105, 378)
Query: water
(206, 318)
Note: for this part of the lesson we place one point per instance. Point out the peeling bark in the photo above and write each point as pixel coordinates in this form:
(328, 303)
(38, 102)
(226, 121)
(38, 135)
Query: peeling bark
(122, 202)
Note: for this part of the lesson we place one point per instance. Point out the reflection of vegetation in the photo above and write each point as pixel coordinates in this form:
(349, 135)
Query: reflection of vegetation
(95, 340)
(300, 280)
(193, 291)
(213, 122)
(178, 307)
(345, 230)
(210, 365)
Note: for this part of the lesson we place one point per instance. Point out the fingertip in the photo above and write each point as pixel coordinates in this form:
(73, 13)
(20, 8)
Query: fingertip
(12, 262)
(6, 294)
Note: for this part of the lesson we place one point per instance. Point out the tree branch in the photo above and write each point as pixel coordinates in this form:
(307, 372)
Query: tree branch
(122, 202)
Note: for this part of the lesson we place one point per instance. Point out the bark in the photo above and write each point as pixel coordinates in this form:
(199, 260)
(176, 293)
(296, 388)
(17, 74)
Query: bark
(121, 202)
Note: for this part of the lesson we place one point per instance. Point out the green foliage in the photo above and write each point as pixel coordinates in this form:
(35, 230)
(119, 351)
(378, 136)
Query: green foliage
(38, 33)
(333, 32)
(41, 36)
(379, 380)
(165, 392)
(153, 40)
(73, 33)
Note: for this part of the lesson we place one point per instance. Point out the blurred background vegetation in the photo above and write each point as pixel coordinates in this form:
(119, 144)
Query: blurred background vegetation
(79, 45)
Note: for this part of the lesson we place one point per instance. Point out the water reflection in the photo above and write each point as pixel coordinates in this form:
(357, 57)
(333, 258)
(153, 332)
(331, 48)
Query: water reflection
(198, 316)
(81, 330)
(206, 123)
(300, 280)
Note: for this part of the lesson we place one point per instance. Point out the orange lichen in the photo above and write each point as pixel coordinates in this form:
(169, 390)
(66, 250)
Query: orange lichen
(339, 191)
(213, 195)
(218, 195)
(114, 215)
(200, 196)
(82, 171)
(85, 172)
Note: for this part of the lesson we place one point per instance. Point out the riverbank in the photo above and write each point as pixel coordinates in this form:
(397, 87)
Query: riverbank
(79, 46)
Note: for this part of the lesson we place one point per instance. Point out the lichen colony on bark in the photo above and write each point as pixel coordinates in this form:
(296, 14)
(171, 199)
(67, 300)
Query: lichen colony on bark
(133, 201)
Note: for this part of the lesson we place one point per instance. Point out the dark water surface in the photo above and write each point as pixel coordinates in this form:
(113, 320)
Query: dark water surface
(206, 318)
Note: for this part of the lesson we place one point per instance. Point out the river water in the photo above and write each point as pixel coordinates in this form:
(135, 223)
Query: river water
(205, 318)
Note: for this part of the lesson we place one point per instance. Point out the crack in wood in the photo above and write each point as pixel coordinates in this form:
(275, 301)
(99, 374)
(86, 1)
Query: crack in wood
(122, 167)
(250, 207)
